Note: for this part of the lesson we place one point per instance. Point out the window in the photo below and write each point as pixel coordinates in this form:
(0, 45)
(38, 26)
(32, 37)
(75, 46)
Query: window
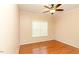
(39, 28)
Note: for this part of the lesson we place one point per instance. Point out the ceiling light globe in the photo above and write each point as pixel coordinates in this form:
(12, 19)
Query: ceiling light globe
(52, 11)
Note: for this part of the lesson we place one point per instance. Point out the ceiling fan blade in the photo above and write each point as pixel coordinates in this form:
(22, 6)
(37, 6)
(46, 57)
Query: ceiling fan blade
(52, 5)
(47, 7)
(45, 11)
(59, 9)
(58, 5)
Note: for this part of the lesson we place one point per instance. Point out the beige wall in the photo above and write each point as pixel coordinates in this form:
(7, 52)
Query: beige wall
(26, 19)
(67, 27)
(9, 28)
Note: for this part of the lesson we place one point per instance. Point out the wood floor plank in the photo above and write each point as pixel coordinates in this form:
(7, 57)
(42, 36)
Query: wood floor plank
(52, 47)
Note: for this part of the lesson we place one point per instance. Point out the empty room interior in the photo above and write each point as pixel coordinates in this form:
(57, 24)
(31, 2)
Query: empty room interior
(39, 29)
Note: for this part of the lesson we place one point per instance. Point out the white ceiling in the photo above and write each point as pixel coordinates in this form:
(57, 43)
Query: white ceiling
(39, 8)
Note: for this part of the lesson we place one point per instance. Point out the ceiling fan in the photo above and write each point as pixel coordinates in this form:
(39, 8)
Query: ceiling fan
(53, 8)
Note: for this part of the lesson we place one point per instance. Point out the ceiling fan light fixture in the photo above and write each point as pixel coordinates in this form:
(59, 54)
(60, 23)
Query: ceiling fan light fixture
(52, 11)
(53, 8)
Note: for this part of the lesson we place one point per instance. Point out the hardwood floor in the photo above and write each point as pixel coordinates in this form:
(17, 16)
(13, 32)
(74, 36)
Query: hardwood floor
(52, 47)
